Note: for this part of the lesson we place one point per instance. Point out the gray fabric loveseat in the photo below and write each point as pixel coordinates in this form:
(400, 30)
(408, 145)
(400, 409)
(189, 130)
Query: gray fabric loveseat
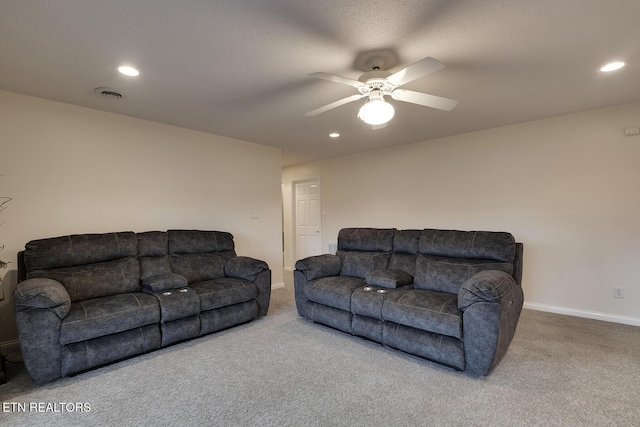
(450, 296)
(92, 299)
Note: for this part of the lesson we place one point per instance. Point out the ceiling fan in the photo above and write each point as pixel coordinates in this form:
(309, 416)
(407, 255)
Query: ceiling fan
(376, 84)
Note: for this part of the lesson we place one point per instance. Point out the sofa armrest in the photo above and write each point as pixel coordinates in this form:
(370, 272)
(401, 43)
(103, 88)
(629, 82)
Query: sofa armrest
(164, 282)
(41, 304)
(388, 278)
(242, 267)
(486, 286)
(318, 266)
(256, 271)
(42, 294)
(491, 302)
(308, 269)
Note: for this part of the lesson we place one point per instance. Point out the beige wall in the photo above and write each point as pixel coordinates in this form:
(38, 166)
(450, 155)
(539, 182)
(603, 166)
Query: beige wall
(76, 170)
(567, 187)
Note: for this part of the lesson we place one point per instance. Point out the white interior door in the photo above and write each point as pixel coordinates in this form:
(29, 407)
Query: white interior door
(308, 218)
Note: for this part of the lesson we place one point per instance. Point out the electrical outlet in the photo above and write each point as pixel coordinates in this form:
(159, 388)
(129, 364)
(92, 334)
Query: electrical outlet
(618, 293)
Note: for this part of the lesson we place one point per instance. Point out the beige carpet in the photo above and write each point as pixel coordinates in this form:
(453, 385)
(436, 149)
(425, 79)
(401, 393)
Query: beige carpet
(285, 371)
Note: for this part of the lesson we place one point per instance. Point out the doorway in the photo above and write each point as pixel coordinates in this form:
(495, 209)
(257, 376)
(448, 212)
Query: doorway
(307, 219)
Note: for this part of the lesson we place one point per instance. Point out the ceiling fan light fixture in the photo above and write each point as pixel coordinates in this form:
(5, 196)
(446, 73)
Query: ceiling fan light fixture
(376, 111)
(376, 84)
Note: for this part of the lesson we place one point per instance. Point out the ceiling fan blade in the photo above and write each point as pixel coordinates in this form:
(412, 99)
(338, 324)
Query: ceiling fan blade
(337, 79)
(425, 99)
(414, 71)
(334, 105)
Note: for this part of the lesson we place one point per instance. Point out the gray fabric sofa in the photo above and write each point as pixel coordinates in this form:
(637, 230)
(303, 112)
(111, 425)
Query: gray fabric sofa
(87, 300)
(450, 296)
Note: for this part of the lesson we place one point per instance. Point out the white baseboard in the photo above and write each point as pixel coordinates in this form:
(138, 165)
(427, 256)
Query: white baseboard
(583, 313)
(9, 346)
(278, 285)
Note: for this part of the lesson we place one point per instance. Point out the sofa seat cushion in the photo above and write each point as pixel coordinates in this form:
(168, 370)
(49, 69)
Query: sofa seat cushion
(333, 291)
(367, 301)
(178, 304)
(331, 316)
(224, 291)
(108, 315)
(425, 310)
(440, 348)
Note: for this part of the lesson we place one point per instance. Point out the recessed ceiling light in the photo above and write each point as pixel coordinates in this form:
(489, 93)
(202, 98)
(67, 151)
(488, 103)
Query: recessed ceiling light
(128, 71)
(612, 66)
(334, 135)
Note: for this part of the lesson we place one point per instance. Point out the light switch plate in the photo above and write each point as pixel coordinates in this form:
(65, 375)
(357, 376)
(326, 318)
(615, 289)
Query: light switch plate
(632, 131)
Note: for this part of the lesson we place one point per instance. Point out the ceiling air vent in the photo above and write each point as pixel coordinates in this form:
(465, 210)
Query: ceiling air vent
(108, 93)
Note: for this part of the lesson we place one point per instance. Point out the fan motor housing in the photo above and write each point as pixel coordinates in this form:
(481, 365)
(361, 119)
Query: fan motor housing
(374, 75)
(375, 81)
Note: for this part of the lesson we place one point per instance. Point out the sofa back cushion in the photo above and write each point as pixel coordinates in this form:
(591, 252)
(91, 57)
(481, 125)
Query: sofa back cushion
(366, 239)
(447, 274)
(153, 254)
(200, 255)
(363, 250)
(88, 265)
(198, 241)
(447, 258)
(79, 249)
(96, 280)
(359, 264)
(405, 250)
(493, 245)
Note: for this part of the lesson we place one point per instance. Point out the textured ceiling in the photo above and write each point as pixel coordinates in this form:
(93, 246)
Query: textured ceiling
(239, 68)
